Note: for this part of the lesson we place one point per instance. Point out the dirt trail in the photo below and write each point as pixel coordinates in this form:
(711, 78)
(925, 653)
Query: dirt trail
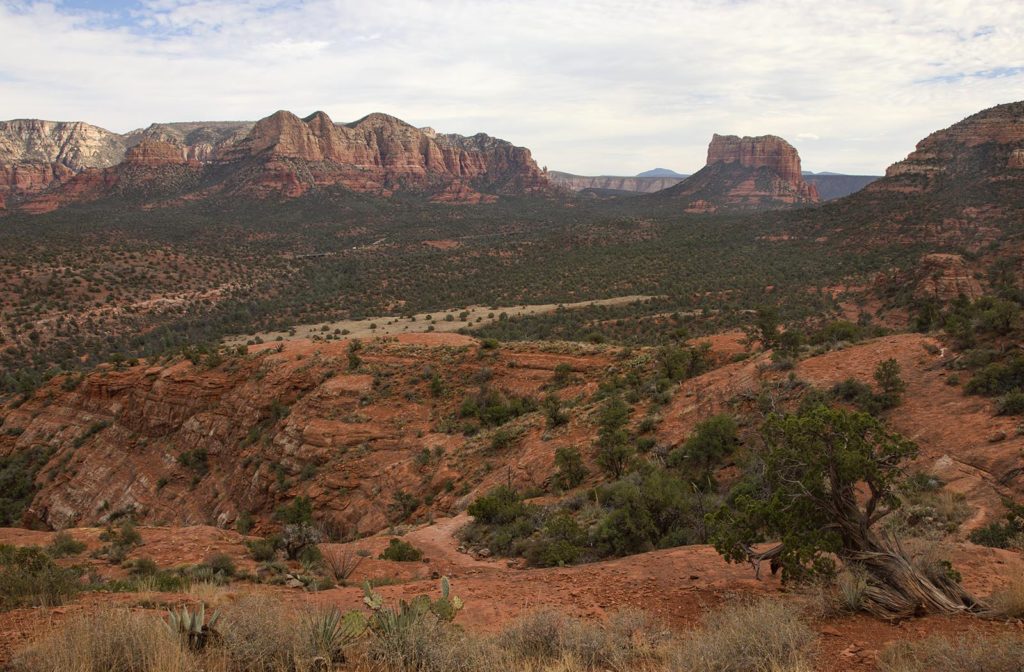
(390, 325)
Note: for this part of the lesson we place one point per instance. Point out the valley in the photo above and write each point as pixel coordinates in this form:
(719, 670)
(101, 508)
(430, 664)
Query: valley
(396, 400)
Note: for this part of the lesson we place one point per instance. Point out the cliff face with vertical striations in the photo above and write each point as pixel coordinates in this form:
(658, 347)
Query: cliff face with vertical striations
(47, 165)
(748, 173)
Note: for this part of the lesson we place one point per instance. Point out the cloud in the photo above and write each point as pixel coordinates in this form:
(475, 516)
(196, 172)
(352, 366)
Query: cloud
(602, 86)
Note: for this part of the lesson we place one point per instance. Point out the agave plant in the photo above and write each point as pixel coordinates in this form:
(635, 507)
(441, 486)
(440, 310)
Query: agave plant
(192, 627)
(330, 632)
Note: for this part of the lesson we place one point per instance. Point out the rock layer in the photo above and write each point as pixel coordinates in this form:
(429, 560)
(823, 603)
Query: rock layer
(748, 173)
(983, 148)
(46, 165)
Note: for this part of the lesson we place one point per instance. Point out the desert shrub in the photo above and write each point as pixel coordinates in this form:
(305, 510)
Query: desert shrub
(998, 378)
(221, 563)
(552, 406)
(493, 408)
(644, 511)
(28, 576)
(501, 519)
(142, 567)
(1002, 534)
(561, 542)
(18, 481)
(571, 471)
(838, 331)
(107, 640)
(298, 532)
(431, 645)
(712, 440)
(64, 545)
(119, 542)
(860, 395)
(887, 375)
(342, 561)
(262, 550)
(764, 636)
(973, 654)
(1011, 403)
(401, 551)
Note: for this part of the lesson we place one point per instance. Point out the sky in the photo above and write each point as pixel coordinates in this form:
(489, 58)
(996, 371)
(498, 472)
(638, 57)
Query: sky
(599, 87)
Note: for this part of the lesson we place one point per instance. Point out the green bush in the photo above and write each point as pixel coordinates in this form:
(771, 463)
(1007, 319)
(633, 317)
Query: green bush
(712, 440)
(63, 545)
(30, 577)
(1001, 534)
(571, 471)
(401, 551)
(1012, 403)
(998, 378)
(18, 481)
(262, 550)
(221, 563)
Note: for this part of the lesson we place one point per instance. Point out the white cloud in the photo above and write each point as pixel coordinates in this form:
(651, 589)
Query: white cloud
(593, 87)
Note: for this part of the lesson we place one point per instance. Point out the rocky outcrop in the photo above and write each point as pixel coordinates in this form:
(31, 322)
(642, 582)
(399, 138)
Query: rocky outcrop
(944, 277)
(765, 151)
(748, 173)
(154, 153)
(281, 155)
(640, 185)
(259, 429)
(983, 148)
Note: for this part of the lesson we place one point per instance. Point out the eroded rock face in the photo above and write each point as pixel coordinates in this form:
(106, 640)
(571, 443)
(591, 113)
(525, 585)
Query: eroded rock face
(765, 151)
(641, 185)
(154, 153)
(46, 165)
(269, 426)
(747, 173)
(945, 277)
(984, 146)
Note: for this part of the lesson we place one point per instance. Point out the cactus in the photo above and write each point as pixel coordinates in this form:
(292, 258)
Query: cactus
(387, 620)
(193, 627)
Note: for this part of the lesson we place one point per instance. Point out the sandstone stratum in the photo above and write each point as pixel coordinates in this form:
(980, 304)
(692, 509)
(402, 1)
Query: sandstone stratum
(746, 173)
(47, 165)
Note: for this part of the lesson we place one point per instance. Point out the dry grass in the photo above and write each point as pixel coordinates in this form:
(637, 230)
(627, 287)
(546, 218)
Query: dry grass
(762, 636)
(978, 654)
(211, 594)
(107, 640)
(261, 634)
(1009, 601)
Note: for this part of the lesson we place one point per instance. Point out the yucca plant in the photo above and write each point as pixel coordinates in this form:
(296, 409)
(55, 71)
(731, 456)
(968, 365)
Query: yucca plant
(192, 627)
(330, 632)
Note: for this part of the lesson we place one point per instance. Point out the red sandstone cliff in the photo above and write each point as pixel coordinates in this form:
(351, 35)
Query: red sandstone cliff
(748, 173)
(281, 155)
(987, 147)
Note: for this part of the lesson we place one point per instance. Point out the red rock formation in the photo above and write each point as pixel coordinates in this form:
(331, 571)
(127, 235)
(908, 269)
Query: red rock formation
(746, 173)
(281, 155)
(379, 153)
(982, 147)
(154, 153)
(766, 151)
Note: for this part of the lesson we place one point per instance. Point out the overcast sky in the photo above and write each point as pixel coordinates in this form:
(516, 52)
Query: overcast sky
(605, 87)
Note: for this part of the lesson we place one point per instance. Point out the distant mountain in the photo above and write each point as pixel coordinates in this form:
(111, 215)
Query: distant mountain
(608, 184)
(748, 173)
(46, 165)
(661, 172)
(836, 185)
